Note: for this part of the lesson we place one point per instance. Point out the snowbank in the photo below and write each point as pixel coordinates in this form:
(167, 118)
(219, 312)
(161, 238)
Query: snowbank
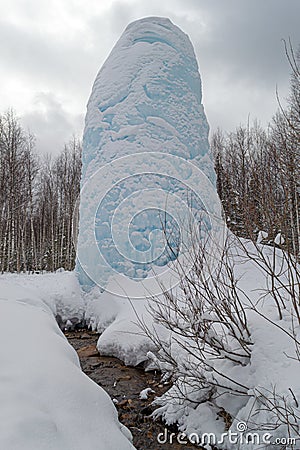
(58, 403)
(47, 402)
(60, 291)
(119, 319)
(264, 402)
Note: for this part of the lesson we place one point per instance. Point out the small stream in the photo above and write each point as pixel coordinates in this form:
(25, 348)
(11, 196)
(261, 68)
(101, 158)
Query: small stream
(124, 384)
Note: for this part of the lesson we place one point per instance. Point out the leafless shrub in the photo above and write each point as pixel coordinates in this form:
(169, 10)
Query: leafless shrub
(206, 329)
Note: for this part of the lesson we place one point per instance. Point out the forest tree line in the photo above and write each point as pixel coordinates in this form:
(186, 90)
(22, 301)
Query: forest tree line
(37, 201)
(258, 176)
(258, 182)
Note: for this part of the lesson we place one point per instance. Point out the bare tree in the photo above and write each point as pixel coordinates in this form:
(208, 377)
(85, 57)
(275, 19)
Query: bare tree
(37, 199)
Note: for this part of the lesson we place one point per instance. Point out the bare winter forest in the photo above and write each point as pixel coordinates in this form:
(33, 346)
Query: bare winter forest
(258, 181)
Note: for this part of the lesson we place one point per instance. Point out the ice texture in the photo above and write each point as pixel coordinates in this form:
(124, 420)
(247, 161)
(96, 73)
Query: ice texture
(146, 99)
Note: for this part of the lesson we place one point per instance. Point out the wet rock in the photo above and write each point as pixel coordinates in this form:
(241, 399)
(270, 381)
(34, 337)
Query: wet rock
(133, 412)
(88, 351)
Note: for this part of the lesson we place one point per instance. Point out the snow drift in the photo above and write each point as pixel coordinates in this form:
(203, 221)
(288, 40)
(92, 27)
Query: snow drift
(47, 402)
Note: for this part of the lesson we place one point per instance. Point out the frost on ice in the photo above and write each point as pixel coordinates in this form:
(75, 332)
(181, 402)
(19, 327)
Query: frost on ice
(146, 98)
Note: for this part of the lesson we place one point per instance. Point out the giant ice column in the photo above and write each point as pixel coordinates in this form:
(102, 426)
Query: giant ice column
(144, 118)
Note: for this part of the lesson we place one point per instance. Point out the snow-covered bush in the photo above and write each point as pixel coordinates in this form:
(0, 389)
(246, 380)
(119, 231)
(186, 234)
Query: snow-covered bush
(232, 347)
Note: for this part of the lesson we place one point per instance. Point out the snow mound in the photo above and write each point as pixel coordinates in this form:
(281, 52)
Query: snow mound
(60, 292)
(267, 408)
(119, 319)
(47, 402)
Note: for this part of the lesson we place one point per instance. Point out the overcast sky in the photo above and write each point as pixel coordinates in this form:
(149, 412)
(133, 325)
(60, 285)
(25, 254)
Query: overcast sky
(51, 51)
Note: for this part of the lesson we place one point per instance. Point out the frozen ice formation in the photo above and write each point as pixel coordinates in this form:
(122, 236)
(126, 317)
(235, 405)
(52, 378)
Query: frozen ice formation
(145, 124)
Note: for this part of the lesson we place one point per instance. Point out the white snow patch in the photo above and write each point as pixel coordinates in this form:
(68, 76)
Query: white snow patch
(60, 292)
(262, 235)
(47, 402)
(144, 394)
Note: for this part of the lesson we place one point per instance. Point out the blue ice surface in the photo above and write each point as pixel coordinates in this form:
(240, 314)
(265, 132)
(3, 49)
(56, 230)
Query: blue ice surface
(150, 81)
(144, 223)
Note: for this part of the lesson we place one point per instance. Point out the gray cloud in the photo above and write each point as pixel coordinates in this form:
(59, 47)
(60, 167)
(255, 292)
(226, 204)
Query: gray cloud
(37, 57)
(50, 123)
(54, 52)
(245, 37)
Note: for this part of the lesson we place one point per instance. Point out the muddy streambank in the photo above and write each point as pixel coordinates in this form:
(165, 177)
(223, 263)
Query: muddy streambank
(124, 384)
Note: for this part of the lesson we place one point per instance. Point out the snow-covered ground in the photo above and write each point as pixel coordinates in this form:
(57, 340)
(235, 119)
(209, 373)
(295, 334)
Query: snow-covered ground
(60, 291)
(270, 378)
(268, 411)
(47, 402)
